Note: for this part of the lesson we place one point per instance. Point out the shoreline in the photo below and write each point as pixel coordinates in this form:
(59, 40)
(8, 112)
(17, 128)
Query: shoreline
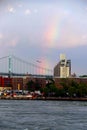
(45, 98)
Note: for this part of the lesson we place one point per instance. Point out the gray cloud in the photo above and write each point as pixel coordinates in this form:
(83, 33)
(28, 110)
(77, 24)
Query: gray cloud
(42, 29)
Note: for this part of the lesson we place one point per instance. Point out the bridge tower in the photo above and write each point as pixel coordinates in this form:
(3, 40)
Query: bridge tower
(10, 66)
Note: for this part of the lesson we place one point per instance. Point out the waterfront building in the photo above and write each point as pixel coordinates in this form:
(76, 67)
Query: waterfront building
(5, 83)
(63, 68)
(40, 81)
(17, 83)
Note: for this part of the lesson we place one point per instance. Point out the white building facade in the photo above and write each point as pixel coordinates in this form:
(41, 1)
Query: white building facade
(63, 68)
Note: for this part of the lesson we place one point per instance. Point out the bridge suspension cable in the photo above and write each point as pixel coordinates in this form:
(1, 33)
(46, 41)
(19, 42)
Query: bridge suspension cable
(30, 68)
(14, 65)
(4, 64)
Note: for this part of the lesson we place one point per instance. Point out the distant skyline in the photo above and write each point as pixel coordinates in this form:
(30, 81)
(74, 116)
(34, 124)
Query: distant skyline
(39, 30)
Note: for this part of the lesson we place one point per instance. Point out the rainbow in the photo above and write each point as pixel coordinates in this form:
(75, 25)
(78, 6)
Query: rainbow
(52, 34)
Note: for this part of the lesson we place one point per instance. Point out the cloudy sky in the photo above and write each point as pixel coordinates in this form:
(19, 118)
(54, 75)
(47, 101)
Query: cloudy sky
(42, 29)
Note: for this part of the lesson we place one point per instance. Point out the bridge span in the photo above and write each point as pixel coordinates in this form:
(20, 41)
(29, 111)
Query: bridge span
(14, 66)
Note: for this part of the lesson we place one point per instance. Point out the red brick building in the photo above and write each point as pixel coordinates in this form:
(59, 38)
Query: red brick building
(17, 83)
(21, 83)
(40, 81)
(67, 80)
(5, 82)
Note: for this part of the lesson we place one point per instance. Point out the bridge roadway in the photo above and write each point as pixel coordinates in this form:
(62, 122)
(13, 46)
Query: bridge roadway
(22, 74)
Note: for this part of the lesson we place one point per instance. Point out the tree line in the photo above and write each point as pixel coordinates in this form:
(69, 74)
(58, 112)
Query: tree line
(69, 88)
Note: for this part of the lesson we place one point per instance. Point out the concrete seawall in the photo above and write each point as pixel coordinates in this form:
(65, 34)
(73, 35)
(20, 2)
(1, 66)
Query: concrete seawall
(45, 98)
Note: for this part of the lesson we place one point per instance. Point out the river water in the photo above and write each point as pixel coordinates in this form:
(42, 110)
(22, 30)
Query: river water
(43, 115)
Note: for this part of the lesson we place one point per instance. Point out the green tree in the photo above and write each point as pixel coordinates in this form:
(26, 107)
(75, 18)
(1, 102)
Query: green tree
(37, 85)
(31, 85)
(50, 89)
(82, 90)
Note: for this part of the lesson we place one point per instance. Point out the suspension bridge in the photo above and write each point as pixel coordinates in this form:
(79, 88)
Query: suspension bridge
(14, 66)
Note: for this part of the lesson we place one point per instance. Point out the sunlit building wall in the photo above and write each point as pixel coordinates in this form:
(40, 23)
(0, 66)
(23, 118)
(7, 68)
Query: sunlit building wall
(63, 68)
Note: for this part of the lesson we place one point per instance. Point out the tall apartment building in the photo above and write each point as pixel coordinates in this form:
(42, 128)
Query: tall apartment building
(63, 68)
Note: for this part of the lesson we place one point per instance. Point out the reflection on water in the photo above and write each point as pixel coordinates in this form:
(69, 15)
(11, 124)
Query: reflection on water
(43, 115)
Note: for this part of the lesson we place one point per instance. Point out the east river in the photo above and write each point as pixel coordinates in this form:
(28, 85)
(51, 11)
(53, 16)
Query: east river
(43, 115)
